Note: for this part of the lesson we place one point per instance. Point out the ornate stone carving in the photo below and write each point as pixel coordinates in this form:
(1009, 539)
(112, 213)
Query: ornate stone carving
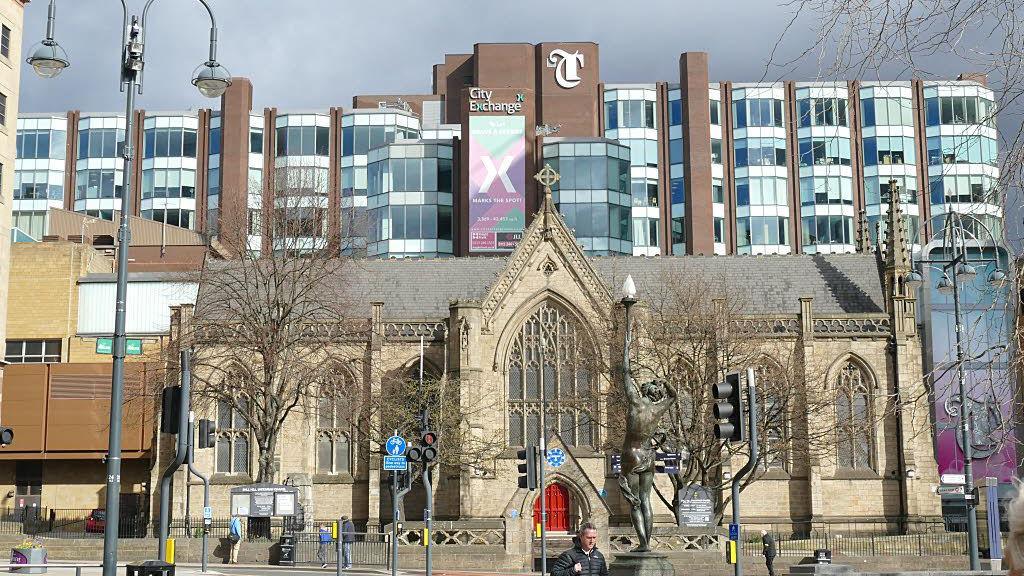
(434, 331)
(464, 333)
(877, 326)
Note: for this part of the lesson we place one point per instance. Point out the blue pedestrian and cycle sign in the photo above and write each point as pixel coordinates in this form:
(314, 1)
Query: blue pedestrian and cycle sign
(395, 459)
(734, 532)
(395, 446)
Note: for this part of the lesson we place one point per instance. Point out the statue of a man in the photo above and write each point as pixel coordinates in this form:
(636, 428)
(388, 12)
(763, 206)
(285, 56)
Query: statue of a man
(647, 404)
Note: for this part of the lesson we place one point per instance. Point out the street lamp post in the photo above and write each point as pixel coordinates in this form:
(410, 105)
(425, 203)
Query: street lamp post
(954, 239)
(48, 59)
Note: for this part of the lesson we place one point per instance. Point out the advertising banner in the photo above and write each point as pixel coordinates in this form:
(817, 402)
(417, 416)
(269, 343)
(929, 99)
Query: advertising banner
(497, 182)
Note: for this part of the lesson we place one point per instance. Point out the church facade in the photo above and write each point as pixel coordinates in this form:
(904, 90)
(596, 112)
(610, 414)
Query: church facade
(547, 318)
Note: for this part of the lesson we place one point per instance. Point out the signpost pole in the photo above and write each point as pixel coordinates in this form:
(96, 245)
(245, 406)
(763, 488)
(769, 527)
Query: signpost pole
(394, 523)
(206, 485)
(337, 545)
(427, 513)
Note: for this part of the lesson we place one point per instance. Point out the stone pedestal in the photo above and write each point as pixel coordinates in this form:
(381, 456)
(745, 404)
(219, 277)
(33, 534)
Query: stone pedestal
(820, 569)
(641, 564)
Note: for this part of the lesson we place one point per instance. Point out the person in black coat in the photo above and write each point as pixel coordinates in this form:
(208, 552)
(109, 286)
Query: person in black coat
(769, 551)
(583, 559)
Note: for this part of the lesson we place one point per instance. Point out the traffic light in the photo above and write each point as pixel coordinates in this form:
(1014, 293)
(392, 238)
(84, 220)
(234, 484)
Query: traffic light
(207, 433)
(170, 410)
(426, 452)
(528, 467)
(6, 436)
(728, 406)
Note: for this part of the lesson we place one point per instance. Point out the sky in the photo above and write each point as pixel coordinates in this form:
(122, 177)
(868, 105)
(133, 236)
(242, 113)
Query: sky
(314, 54)
(327, 51)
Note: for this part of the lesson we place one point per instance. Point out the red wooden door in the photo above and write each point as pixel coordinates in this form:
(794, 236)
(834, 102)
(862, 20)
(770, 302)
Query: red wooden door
(557, 500)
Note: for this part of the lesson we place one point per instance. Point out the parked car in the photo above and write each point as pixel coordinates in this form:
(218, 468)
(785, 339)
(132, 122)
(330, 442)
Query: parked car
(96, 521)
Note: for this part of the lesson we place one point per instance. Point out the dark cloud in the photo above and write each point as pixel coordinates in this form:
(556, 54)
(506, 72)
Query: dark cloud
(318, 53)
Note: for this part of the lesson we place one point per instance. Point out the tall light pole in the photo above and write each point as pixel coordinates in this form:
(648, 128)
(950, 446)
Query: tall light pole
(957, 258)
(48, 59)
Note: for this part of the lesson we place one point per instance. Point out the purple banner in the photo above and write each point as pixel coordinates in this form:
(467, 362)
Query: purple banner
(497, 182)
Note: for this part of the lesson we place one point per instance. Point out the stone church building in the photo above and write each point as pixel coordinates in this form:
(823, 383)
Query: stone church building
(488, 323)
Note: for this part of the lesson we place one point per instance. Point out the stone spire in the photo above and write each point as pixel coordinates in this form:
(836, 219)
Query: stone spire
(547, 177)
(863, 234)
(897, 252)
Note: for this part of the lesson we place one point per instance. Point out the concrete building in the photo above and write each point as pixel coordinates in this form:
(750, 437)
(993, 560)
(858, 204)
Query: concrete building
(714, 167)
(12, 14)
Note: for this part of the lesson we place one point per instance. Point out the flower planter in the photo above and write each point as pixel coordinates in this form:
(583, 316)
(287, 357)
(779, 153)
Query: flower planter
(28, 556)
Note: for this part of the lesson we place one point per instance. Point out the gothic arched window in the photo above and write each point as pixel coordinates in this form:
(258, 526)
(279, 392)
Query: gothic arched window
(232, 431)
(772, 389)
(334, 427)
(853, 418)
(551, 358)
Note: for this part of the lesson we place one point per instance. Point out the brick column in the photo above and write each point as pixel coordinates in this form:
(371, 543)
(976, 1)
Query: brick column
(699, 218)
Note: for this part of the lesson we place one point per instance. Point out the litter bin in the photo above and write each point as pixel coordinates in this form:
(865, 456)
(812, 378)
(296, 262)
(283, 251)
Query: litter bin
(822, 556)
(286, 554)
(150, 568)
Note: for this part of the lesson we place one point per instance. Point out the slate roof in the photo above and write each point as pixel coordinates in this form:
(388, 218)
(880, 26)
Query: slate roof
(422, 288)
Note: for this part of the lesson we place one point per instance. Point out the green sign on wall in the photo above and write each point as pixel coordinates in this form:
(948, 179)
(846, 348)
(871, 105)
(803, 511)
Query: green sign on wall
(132, 346)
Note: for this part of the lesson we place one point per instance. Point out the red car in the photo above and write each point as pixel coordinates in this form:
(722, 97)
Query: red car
(96, 521)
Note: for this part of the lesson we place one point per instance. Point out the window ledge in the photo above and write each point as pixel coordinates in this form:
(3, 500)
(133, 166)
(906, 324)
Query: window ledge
(226, 478)
(855, 474)
(342, 478)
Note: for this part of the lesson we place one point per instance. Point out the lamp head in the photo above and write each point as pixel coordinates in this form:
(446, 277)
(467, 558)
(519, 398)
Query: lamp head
(48, 59)
(997, 278)
(945, 285)
(628, 289)
(965, 272)
(211, 79)
(914, 280)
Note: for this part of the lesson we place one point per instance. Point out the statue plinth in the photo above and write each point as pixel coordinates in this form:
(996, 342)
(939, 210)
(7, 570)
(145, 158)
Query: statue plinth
(641, 564)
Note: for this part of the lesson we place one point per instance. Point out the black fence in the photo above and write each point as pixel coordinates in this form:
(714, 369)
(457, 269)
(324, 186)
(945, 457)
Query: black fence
(868, 539)
(369, 549)
(252, 528)
(69, 523)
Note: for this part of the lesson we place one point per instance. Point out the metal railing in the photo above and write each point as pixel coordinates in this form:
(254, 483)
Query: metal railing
(865, 539)
(67, 523)
(368, 549)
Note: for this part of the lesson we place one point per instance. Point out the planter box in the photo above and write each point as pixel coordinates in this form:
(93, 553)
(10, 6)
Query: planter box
(28, 556)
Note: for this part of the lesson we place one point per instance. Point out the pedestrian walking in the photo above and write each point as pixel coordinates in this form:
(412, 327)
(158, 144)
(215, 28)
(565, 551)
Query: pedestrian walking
(348, 536)
(325, 545)
(769, 551)
(235, 534)
(583, 559)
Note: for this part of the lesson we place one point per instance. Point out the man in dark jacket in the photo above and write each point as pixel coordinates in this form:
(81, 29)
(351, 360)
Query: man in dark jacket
(769, 551)
(584, 559)
(348, 536)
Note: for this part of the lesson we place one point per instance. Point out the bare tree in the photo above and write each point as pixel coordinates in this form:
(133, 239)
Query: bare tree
(692, 341)
(269, 328)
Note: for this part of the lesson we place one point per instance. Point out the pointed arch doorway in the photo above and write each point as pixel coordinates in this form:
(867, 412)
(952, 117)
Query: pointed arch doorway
(559, 505)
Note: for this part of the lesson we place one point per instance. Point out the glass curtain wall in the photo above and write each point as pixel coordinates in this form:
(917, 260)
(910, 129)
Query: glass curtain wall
(409, 199)
(168, 193)
(39, 164)
(631, 117)
(593, 192)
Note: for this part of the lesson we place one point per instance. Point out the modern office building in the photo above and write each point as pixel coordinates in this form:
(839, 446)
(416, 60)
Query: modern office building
(714, 167)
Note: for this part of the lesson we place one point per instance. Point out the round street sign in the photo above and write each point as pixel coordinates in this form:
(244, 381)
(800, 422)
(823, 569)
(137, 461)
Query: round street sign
(395, 446)
(556, 457)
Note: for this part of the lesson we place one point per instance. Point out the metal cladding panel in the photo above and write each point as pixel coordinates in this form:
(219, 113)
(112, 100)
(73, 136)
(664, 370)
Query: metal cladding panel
(147, 310)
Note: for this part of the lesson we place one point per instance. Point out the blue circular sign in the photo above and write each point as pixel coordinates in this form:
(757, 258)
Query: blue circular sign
(395, 446)
(556, 457)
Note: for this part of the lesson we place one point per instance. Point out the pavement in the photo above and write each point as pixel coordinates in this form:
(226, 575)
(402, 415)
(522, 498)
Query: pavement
(67, 569)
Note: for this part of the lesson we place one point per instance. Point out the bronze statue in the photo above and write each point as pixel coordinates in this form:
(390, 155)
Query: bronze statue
(647, 404)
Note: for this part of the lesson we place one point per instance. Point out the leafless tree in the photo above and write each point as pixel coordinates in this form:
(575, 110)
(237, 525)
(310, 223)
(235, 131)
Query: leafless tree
(691, 341)
(268, 333)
